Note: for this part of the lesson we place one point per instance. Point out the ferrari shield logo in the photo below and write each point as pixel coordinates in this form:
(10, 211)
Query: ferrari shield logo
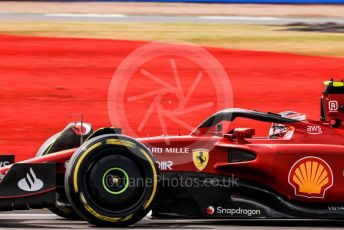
(200, 158)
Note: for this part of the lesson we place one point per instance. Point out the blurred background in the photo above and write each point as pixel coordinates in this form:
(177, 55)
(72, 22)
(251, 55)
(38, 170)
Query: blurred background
(60, 57)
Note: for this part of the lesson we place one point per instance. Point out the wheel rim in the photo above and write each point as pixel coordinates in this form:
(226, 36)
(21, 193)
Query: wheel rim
(115, 181)
(109, 182)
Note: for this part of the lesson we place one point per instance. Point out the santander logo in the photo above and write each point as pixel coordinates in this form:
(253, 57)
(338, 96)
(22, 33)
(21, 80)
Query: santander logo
(30, 183)
(210, 210)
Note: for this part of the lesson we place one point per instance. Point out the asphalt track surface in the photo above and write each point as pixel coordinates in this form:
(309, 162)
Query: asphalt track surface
(42, 219)
(72, 17)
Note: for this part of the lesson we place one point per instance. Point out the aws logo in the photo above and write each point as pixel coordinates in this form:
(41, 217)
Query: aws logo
(314, 129)
(311, 177)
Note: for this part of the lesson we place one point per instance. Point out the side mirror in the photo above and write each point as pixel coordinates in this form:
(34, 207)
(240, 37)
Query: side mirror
(219, 128)
(242, 133)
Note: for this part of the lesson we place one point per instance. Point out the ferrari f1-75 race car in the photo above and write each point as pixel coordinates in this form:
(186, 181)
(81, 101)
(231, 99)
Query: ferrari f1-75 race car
(294, 171)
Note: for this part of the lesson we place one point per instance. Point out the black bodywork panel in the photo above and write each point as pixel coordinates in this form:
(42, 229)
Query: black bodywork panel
(28, 186)
(225, 198)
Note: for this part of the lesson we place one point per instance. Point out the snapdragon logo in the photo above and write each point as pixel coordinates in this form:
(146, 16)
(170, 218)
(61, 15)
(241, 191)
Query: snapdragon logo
(234, 211)
(210, 210)
(30, 182)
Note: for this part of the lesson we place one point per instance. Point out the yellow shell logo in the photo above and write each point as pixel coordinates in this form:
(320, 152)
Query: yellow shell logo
(311, 177)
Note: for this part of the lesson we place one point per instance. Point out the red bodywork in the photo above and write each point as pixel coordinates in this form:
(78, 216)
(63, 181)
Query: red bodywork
(275, 157)
(311, 152)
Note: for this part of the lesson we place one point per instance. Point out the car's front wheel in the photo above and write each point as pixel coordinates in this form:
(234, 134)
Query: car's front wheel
(112, 181)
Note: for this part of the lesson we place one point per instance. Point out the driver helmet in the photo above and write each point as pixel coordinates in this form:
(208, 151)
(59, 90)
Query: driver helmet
(279, 130)
(294, 115)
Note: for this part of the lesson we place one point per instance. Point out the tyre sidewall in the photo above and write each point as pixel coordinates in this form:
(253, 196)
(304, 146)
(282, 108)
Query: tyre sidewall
(82, 161)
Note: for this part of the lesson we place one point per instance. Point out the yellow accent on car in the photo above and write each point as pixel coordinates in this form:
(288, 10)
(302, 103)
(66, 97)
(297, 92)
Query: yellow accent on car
(155, 185)
(75, 178)
(128, 217)
(121, 142)
(96, 214)
(200, 158)
(82, 198)
(311, 177)
(334, 83)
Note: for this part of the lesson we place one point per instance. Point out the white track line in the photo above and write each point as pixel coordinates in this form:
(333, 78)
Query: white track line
(27, 215)
(86, 15)
(241, 18)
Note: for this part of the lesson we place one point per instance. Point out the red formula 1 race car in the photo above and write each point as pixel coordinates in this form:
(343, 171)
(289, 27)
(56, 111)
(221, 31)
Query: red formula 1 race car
(218, 171)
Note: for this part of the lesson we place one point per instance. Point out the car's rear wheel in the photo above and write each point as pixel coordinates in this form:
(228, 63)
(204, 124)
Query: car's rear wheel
(112, 181)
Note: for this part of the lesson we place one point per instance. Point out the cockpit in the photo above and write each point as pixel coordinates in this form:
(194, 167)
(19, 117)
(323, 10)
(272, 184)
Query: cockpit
(262, 125)
(278, 131)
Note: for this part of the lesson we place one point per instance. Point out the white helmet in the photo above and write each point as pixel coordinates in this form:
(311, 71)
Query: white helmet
(279, 130)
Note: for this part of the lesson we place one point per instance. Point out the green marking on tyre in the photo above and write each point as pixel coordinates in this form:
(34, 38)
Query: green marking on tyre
(126, 181)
